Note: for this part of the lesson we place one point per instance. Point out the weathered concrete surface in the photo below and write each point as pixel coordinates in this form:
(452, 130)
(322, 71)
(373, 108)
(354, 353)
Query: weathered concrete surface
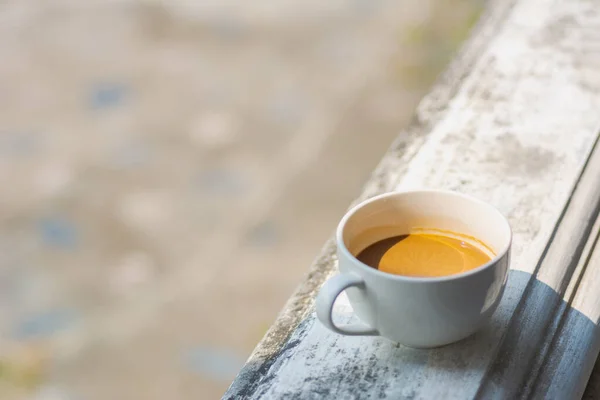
(514, 126)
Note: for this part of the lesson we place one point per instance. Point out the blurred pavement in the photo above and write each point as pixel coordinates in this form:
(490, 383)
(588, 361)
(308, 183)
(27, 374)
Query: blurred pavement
(170, 170)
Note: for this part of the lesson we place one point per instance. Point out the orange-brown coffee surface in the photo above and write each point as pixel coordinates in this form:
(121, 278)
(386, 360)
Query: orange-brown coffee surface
(423, 255)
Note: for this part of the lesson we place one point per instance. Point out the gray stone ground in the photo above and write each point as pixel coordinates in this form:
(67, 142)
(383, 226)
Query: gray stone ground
(170, 169)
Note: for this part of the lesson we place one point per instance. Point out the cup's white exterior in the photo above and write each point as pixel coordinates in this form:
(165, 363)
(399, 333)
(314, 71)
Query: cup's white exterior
(418, 312)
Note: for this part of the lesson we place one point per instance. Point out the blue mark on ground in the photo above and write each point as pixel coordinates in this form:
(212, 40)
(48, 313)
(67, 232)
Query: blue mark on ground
(216, 363)
(107, 95)
(58, 232)
(222, 182)
(264, 234)
(45, 324)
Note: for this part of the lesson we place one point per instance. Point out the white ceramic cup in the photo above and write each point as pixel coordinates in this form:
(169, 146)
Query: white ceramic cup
(417, 312)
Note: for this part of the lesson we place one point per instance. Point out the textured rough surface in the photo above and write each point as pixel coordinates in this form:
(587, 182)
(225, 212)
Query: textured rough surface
(516, 125)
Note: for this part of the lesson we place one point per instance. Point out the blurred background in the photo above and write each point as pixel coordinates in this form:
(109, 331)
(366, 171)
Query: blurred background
(171, 168)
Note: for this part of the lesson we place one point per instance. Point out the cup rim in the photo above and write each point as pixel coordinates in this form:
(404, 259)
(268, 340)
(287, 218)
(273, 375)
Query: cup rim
(342, 246)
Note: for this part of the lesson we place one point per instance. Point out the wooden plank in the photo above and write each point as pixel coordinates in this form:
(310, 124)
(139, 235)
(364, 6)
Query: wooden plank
(512, 122)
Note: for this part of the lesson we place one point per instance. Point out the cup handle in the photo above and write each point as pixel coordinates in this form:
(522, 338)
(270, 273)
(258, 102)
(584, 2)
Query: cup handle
(326, 299)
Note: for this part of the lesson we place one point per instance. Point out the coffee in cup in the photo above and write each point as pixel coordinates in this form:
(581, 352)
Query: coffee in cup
(422, 268)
